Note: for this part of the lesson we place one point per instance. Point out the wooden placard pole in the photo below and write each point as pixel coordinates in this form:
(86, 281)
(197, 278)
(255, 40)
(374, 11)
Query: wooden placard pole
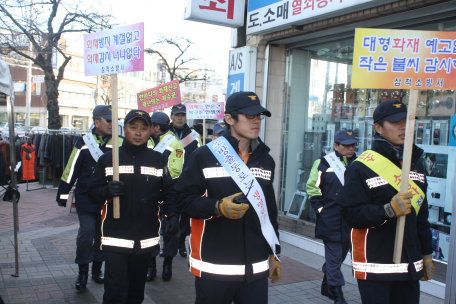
(406, 163)
(115, 141)
(204, 132)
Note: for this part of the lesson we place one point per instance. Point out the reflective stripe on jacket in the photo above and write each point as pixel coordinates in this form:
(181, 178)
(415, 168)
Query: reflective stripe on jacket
(224, 249)
(373, 234)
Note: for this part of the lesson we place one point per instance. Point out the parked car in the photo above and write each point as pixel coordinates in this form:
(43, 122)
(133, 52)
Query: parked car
(6, 125)
(22, 131)
(39, 130)
(4, 133)
(69, 129)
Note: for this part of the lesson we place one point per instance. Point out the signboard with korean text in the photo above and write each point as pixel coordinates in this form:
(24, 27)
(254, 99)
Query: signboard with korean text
(158, 98)
(272, 15)
(114, 51)
(208, 110)
(228, 13)
(241, 70)
(402, 59)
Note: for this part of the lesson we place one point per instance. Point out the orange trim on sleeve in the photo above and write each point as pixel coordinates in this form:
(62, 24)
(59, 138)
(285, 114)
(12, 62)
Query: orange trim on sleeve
(358, 238)
(196, 236)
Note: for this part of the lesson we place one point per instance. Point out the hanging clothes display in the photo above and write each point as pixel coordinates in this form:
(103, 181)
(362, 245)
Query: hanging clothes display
(28, 161)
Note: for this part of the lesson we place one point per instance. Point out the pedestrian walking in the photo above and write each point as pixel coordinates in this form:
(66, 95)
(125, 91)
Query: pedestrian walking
(144, 181)
(371, 204)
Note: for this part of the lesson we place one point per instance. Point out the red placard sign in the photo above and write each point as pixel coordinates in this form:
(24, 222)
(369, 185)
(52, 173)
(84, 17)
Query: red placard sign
(158, 98)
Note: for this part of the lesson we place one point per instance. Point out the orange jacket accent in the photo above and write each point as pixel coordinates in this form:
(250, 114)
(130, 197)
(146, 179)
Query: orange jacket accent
(28, 161)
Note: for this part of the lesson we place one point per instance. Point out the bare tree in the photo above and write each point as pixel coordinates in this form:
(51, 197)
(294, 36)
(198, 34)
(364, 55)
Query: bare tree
(43, 30)
(176, 66)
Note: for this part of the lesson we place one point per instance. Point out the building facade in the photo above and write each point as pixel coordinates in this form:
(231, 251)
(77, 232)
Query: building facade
(303, 76)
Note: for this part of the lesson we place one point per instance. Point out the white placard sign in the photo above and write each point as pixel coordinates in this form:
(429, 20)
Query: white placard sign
(207, 110)
(228, 13)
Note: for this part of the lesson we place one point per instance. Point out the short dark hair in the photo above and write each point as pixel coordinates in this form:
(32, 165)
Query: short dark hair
(96, 117)
(431, 157)
(234, 115)
(380, 122)
(164, 128)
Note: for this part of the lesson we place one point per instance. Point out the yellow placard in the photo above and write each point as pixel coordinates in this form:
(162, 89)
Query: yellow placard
(402, 59)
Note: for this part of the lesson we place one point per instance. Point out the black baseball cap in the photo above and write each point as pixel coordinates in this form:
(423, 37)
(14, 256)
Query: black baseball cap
(219, 127)
(246, 103)
(392, 111)
(198, 128)
(103, 111)
(345, 137)
(160, 118)
(179, 108)
(133, 114)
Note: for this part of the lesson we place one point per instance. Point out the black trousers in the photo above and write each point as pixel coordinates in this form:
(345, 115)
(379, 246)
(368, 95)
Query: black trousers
(88, 241)
(389, 292)
(125, 277)
(221, 292)
(335, 254)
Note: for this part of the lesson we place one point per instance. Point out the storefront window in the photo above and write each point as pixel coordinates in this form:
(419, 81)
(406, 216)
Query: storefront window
(321, 102)
(80, 122)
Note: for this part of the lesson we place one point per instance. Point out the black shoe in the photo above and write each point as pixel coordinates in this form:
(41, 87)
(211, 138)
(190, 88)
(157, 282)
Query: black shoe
(336, 291)
(97, 274)
(161, 253)
(324, 289)
(182, 250)
(152, 271)
(81, 281)
(167, 269)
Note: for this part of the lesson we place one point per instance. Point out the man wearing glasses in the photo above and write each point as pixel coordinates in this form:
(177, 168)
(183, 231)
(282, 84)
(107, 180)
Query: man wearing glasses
(226, 189)
(80, 167)
(324, 188)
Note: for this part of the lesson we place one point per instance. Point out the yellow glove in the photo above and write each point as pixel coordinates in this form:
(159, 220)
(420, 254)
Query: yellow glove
(227, 208)
(274, 269)
(428, 267)
(400, 205)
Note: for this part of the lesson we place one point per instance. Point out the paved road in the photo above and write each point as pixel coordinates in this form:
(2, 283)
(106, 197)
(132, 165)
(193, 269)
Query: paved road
(47, 273)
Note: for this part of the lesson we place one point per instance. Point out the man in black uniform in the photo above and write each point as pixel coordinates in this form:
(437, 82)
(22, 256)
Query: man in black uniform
(80, 166)
(144, 182)
(229, 253)
(371, 204)
(324, 188)
(219, 128)
(191, 140)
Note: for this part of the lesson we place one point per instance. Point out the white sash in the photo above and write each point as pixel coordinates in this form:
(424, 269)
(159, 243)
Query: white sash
(189, 138)
(336, 165)
(164, 143)
(245, 180)
(92, 144)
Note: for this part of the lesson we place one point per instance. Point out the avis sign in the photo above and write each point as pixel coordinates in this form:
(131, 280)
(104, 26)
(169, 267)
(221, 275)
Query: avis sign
(241, 70)
(228, 13)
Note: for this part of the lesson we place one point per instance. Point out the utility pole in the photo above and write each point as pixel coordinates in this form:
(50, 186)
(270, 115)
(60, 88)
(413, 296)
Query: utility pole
(28, 100)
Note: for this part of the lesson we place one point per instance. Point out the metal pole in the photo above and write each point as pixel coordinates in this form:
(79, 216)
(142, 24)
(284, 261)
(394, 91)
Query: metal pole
(28, 100)
(10, 110)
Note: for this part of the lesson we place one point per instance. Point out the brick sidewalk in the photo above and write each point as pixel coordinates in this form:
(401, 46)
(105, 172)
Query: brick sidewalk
(47, 273)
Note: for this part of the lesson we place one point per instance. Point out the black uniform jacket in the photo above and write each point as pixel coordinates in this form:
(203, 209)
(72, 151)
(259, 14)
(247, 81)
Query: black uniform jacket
(224, 249)
(190, 147)
(80, 167)
(330, 225)
(373, 233)
(147, 182)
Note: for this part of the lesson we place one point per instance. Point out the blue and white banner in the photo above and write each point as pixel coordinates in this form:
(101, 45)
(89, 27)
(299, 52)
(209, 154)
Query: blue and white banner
(248, 184)
(242, 70)
(265, 15)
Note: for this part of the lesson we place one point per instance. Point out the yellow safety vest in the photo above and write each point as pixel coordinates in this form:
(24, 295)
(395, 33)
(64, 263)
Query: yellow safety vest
(392, 175)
